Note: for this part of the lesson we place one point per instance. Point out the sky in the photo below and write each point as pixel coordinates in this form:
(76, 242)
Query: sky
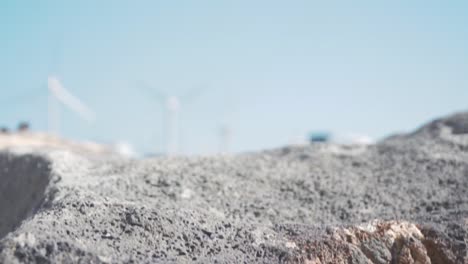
(272, 71)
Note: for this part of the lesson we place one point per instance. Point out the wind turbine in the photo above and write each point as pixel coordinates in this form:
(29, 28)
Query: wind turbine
(225, 135)
(172, 106)
(59, 95)
(230, 104)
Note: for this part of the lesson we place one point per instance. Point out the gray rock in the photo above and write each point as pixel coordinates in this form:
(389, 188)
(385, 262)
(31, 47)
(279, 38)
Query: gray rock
(402, 200)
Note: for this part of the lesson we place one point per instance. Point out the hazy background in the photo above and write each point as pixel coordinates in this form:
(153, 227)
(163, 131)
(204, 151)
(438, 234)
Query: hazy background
(272, 70)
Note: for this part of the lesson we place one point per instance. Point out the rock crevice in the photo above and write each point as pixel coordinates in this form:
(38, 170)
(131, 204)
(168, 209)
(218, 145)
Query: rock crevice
(23, 183)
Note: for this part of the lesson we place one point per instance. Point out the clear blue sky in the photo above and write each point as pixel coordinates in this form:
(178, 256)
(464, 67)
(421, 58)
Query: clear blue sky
(275, 69)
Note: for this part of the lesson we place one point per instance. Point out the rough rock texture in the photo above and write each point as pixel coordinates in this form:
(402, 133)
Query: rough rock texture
(403, 200)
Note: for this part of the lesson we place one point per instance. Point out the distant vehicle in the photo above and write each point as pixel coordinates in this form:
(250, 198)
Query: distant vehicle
(23, 127)
(319, 137)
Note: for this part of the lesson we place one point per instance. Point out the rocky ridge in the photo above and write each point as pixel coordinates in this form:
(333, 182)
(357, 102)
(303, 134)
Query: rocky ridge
(402, 200)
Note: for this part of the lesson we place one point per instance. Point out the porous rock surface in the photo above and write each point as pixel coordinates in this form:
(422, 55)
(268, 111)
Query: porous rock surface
(403, 200)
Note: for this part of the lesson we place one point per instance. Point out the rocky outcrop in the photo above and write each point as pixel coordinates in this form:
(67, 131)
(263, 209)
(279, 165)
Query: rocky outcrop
(377, 242)
(402, 200)
(24, 180)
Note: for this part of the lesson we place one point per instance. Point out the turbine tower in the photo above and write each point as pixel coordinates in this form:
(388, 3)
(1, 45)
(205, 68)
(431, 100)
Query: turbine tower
(59, 95)
(172, 106)
(225, 135)
(172, 124)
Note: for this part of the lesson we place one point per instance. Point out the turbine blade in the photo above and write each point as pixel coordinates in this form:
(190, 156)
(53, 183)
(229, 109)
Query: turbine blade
(69, 100)
(158, 95)
(193, 94)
